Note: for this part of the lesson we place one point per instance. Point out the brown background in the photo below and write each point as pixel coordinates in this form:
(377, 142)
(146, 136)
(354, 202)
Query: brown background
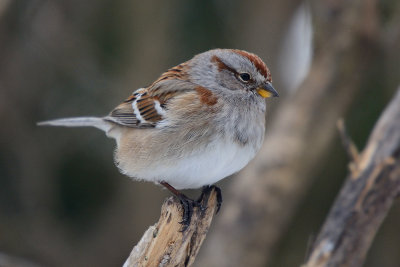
(62, 201)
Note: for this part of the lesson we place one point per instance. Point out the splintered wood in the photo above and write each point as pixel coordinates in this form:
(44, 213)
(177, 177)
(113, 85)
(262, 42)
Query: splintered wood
(165, 245)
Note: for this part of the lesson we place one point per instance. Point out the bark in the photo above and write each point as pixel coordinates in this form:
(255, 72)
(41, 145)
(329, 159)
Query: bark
(164, 244)
(366, 197)
(265, 195)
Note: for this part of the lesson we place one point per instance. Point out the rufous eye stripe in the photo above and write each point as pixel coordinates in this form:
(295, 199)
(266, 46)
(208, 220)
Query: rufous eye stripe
(257, 62)
(221, 65)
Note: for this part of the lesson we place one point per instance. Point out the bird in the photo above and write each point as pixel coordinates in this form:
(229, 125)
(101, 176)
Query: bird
(199, 122)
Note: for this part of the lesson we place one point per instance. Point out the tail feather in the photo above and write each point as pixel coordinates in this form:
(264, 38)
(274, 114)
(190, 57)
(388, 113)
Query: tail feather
(97, 122)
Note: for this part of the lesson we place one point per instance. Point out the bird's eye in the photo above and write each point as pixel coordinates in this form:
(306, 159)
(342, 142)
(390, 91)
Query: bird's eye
(245, 77)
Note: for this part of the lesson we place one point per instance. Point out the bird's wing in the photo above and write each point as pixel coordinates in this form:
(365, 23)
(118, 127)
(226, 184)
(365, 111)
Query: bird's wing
(147, 106)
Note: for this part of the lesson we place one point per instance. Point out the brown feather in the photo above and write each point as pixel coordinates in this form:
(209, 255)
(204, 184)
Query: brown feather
(146, 98)
(221, 65)
(206, 96)
(258, 63)
(122, 114)
(177, 72)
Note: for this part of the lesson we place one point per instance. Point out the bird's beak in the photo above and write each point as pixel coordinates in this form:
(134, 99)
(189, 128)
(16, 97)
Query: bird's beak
(267, 90)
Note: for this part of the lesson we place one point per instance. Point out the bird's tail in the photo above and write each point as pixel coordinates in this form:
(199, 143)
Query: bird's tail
(97, 122)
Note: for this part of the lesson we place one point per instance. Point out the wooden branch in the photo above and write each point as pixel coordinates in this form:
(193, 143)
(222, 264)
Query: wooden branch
(365, 198)
(265, 195)
(165, 245)
(349, 146)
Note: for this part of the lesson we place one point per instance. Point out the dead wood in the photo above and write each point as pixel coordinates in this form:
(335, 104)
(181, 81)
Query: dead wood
(163, 244)
(265, 195)
(365, 199)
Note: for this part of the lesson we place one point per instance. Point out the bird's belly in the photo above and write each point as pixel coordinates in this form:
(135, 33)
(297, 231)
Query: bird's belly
(204, 167)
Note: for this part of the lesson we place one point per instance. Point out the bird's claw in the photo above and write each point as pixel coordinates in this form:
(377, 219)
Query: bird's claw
(188, 204)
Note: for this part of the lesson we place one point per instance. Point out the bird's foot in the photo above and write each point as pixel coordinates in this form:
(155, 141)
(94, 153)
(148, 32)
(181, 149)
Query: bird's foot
(188, 204)
(205, 193)
(201, 203)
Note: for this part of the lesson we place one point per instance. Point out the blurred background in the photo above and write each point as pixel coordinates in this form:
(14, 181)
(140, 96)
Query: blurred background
(62, 200)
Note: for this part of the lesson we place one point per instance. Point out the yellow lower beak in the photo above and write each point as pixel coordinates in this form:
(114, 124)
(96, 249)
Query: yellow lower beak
(264, 93)
(267, 90)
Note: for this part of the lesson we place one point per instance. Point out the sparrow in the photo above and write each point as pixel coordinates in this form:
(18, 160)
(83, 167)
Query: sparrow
(199, 122)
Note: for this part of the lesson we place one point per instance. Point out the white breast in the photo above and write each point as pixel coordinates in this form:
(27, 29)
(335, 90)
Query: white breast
(205, 167)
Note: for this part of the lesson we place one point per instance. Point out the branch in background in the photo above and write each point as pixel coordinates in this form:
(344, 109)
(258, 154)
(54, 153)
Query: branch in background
(348, 144)
(265, 195)
(165, 245)
(365, 198)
